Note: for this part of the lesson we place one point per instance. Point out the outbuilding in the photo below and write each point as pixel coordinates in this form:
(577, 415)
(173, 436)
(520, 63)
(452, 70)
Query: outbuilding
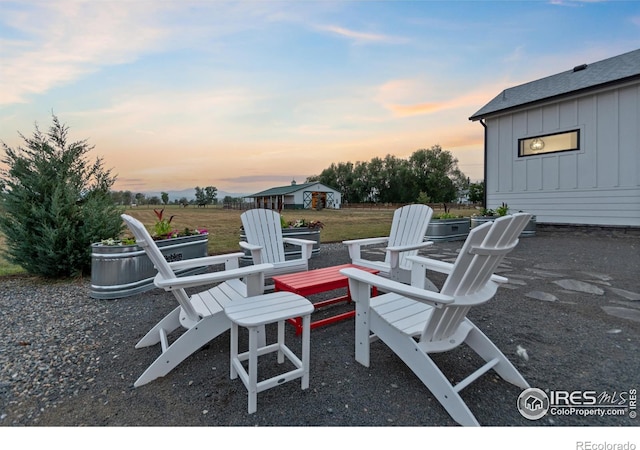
(298, 196)
(567, 147)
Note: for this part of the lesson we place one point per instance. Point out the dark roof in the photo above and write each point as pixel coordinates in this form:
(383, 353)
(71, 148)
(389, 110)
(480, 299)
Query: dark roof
(584, 77)
(284, 190)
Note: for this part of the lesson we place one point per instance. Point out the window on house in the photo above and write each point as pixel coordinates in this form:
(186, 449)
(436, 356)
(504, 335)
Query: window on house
(549, 143)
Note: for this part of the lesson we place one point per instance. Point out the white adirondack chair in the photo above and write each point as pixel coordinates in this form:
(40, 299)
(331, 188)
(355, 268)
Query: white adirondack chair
(406, 237)
(202, 314)
(263, 230)
(415, 322)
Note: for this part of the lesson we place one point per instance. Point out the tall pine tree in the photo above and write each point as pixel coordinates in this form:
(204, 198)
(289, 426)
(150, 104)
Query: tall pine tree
(55, 203)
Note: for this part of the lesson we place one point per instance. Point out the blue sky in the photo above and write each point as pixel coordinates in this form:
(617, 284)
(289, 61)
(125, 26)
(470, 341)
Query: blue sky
(248, 95)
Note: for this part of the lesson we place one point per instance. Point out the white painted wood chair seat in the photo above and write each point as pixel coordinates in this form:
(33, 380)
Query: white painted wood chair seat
(406, 237)
(414, 322)
(201, 315)
(266, 243)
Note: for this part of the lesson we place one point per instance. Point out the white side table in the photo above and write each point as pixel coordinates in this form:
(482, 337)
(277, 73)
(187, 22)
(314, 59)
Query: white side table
(255, 312)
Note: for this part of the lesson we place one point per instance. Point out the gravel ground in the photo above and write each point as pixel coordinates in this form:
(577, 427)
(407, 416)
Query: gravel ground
(572, 303)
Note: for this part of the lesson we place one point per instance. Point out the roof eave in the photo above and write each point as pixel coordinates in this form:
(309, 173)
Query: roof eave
(476, 116)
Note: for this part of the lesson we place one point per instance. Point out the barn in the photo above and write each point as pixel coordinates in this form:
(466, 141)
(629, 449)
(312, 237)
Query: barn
(298, 196)
(567, 147)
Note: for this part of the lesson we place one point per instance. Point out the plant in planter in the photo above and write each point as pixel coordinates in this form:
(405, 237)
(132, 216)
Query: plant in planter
(163, 229)
(301, 223)
(120, 268)
(502, 210)
(446, 215)
(488, 215)
(301, 229)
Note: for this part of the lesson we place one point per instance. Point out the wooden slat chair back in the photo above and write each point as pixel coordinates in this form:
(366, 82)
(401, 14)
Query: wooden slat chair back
(201, 315)
(470, 279)
(415, 322)
(409, 227)
(406, 238)
(263, 231)
(146, 242)
(262, 227)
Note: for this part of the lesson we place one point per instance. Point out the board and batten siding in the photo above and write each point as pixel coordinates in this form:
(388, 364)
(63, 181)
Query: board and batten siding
(596, 185)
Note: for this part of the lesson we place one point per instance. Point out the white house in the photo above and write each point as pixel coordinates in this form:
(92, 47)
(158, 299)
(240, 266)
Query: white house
(298, 196)
(567, 147)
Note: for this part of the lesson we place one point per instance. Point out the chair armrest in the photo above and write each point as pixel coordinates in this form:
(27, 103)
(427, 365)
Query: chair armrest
(170, 284)
(355, 244)
(367, 241)
(298, 242)
(435, 299)
(394, 252)
(431, 264)
(306, 246)
(421, 263)
(406, 248)
(256, 251)
(250, 247)
(230, 260)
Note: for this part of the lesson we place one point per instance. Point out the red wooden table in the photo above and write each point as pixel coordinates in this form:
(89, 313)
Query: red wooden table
(317, 281)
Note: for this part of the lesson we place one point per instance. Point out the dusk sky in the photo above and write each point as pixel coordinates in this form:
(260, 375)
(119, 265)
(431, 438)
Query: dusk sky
(249, 95)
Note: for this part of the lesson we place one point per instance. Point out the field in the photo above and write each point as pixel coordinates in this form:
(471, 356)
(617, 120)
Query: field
(224, 225)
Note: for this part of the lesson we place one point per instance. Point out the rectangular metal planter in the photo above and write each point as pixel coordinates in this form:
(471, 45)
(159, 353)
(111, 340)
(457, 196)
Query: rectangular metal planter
(123, 270)
(291, 251)
(448, 229)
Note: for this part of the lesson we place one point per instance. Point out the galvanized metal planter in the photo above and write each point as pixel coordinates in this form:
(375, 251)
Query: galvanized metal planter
(448, 229)
(123, 270)
(529, 230)
(292, 251)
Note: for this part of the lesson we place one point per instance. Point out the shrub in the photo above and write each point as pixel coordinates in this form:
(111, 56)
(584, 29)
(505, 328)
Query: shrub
(55, 204)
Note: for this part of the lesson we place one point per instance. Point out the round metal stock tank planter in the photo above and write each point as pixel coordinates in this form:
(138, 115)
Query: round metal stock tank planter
(529, 230)
(448, 229)
(292, 251)
(123, 270)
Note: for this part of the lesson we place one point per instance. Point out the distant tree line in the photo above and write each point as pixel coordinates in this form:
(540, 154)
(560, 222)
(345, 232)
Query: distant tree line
(203, 197)
(428, 176)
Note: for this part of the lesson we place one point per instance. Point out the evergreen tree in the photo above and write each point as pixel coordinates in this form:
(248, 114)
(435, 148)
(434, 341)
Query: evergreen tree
(55, 204)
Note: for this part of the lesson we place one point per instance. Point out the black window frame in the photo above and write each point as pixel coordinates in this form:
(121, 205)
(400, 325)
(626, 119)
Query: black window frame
(542, 136)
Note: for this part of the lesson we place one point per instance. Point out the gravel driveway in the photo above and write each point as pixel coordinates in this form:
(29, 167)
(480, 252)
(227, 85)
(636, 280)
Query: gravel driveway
(572, 304)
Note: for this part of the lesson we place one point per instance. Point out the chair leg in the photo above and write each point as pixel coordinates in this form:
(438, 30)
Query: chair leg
(427, 371)
(233, 372)
(487, 350)
(280, 342)
(306, 346)
(191, 340)
(170, 323)
(253, 370)
(362, 334)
